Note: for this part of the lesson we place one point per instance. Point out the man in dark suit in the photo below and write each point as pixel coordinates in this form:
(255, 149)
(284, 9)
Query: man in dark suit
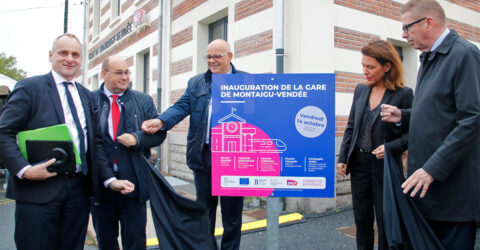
(122, 111)
(52, 209)
(444, 134)
(196, 102)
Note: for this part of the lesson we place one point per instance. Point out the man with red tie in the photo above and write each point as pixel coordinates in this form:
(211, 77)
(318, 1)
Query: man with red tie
(122, 111)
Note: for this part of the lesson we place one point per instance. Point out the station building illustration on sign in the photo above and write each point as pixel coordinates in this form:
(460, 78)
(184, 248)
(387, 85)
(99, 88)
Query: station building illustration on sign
(234, 134)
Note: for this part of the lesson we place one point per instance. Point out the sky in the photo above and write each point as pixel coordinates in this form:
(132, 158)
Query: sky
(30, 26)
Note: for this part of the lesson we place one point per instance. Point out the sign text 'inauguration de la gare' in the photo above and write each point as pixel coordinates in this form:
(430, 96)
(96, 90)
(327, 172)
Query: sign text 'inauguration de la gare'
(273, 135)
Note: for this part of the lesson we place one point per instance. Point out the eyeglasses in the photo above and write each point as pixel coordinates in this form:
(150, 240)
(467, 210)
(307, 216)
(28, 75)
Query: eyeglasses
(215, 56)
(120, 73)
(406, 26)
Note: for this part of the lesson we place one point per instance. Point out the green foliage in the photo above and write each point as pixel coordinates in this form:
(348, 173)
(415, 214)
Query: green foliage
(8, 67)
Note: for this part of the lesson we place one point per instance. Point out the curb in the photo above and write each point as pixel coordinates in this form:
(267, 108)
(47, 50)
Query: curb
(253, 226)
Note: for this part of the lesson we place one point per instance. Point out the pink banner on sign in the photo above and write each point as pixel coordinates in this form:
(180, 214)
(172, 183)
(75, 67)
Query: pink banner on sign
(241, 151)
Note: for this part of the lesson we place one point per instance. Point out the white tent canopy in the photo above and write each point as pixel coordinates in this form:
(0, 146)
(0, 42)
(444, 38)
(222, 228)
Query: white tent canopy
(7, 81)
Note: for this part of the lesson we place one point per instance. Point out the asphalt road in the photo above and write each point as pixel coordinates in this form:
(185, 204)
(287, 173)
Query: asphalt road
(7, 211)
(318, 231)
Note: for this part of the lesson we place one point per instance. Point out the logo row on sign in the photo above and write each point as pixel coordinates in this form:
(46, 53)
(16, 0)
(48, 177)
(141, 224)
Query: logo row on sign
(273, 182)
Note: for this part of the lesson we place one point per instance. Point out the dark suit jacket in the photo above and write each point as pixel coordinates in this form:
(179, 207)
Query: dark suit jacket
(35, 103)
(444, 137)
(193, 102)
(396, 137)
(136, 108)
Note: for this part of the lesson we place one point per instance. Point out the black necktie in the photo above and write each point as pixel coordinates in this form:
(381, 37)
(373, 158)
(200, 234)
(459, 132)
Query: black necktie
(81, 136)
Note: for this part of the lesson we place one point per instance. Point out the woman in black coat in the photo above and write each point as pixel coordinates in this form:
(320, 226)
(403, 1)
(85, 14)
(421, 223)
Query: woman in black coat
(362, 149)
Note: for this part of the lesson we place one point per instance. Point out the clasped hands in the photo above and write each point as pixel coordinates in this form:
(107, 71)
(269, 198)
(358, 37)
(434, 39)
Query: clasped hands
(378, 152)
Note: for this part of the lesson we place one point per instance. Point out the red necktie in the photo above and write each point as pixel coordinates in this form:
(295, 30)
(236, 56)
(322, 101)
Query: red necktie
(115, 115)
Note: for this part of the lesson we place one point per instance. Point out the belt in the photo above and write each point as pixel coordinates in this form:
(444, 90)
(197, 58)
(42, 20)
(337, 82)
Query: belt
(68, 174)
(362, 150)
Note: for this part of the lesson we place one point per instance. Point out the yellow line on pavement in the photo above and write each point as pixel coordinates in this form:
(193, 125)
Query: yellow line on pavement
(5, 202)
(152, 242)
(247, 226)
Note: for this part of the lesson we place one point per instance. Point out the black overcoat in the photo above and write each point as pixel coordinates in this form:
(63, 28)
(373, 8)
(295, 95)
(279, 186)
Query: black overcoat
(444, 137)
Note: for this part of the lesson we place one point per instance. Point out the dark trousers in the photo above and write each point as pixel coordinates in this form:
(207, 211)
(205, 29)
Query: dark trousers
(132, 216)
(455, 235)
(231, 206)
(58, 224)
(367, 196)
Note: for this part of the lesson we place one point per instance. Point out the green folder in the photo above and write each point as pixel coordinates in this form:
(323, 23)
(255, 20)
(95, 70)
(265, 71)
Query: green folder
(53, 133)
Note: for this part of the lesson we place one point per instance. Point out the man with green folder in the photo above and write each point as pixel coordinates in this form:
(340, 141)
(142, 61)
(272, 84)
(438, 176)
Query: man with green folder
(52, 209)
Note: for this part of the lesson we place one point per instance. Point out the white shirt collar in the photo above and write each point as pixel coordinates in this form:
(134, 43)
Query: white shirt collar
(440, 39)
(58, 78)
(108, 93)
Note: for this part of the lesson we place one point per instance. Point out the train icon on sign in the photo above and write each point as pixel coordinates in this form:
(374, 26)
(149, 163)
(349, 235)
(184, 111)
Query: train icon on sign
(268, 145)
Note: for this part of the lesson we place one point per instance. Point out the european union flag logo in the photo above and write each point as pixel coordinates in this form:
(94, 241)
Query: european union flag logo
(244, 181)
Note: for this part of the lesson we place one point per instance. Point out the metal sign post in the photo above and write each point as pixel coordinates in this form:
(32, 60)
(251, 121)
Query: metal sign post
(274, 204)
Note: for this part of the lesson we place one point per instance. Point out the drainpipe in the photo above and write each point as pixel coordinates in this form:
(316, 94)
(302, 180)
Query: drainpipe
(159, 74)
(85, 40)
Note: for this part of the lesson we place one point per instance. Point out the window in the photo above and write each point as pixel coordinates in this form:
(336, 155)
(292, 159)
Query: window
(96, 18)
(115, 8)
(142, 69)
(410, 61)
(146, 70)
(218, 30)
(400, 52)
(212, 27)
(94, 82)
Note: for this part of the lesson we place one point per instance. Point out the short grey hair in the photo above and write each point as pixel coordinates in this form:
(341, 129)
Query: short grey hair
(62, 35)
(419, 8)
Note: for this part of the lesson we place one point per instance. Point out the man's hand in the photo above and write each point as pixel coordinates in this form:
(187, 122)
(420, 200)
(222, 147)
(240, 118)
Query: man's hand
(128, 140)
(341, 169)
(379, 152)
(391, 113)
(123, 186)
(152, 126)
(419, 179)
(39, 172)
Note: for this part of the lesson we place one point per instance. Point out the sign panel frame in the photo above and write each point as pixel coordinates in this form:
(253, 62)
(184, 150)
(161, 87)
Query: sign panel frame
(273, 135)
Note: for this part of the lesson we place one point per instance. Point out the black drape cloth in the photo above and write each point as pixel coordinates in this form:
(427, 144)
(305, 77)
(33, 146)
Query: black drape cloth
(180, 223)
(405, 226)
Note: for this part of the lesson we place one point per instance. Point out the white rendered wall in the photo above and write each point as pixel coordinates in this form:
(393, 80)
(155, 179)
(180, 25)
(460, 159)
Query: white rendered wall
(309, 39)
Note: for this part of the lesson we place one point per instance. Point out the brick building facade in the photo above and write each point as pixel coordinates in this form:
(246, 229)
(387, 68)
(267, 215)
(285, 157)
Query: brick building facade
(320, 36)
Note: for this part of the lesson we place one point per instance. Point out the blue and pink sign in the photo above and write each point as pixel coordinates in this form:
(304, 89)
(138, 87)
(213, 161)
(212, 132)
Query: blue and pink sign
(273, 135)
